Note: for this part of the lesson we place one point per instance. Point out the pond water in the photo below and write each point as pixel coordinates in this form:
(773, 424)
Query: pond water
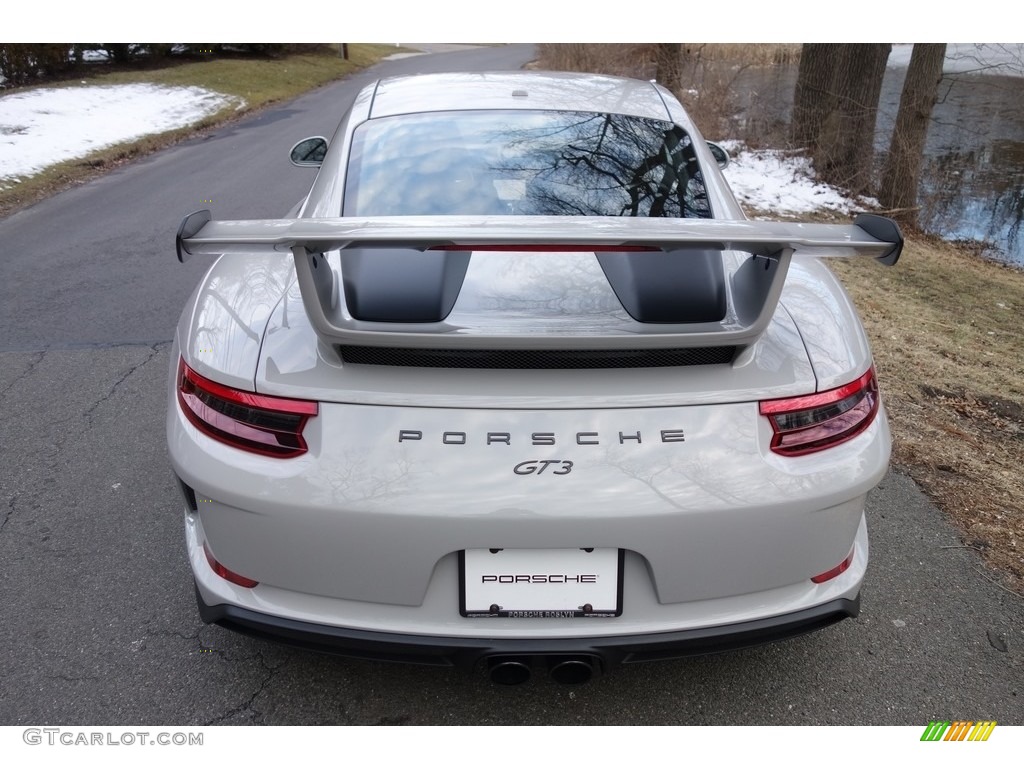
(972, 185)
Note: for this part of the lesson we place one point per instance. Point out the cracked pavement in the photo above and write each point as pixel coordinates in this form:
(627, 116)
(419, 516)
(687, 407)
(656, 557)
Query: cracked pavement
(99, 624)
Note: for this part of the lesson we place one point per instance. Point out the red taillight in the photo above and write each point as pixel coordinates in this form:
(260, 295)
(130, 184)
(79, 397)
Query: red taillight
(224, 573)
(830, 574)
(271, 426)
(812, 423)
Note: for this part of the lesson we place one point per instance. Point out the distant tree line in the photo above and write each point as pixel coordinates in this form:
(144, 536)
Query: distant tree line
(26, 63)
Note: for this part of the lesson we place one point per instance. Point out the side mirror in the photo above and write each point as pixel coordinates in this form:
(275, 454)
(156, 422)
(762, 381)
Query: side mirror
(720, 155)
(309, 153)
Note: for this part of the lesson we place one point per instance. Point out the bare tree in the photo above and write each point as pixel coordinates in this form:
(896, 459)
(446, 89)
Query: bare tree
(845, 145)
(835, 105)
(815, 92)
(670, 63)
(902, 168)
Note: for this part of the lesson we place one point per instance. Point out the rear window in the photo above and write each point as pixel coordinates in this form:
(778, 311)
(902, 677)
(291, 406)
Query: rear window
(523, 163)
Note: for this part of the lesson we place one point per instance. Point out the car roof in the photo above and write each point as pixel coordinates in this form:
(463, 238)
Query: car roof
(517, 90)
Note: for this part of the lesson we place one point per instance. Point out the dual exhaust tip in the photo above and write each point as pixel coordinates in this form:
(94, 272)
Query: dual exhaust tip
(566, 670)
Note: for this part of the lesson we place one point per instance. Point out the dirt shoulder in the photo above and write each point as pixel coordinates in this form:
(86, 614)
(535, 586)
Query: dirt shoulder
(945, 327)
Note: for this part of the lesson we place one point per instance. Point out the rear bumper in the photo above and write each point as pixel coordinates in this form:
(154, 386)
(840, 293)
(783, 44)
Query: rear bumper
(468, 651)
(711, 518)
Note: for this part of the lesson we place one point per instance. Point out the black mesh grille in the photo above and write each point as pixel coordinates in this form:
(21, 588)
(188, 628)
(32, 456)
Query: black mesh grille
(536, 358)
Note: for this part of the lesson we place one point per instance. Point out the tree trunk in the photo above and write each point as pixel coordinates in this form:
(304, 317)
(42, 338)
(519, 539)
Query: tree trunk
(814, 94)
(902, 169)
(845, 145)
(670, 64)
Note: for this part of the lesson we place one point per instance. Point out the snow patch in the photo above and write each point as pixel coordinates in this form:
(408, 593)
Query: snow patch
(45, 126)
(773, 182)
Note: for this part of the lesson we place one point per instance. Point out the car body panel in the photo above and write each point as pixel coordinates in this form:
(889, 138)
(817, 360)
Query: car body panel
(438, 614)
(221, 332)
(692, 490)
(829, 324)
(242, 299)
(295, 363)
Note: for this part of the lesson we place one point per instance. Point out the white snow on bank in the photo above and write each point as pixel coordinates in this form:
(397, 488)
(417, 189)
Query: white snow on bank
(45, 126)
(773, 182)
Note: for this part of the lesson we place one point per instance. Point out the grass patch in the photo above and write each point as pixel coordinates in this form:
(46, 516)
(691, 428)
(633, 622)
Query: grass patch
(949, 349)
(257, 81)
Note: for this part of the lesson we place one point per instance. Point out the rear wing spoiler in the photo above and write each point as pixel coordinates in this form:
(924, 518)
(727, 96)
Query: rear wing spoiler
(753, 290)
(869, 235)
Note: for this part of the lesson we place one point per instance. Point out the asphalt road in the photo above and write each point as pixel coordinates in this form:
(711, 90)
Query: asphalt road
(99, 624)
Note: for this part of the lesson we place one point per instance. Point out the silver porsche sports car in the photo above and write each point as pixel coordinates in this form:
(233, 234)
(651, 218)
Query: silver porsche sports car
(518, 385)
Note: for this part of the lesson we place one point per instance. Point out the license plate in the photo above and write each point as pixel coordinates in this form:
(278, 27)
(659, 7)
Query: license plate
(540, 583)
